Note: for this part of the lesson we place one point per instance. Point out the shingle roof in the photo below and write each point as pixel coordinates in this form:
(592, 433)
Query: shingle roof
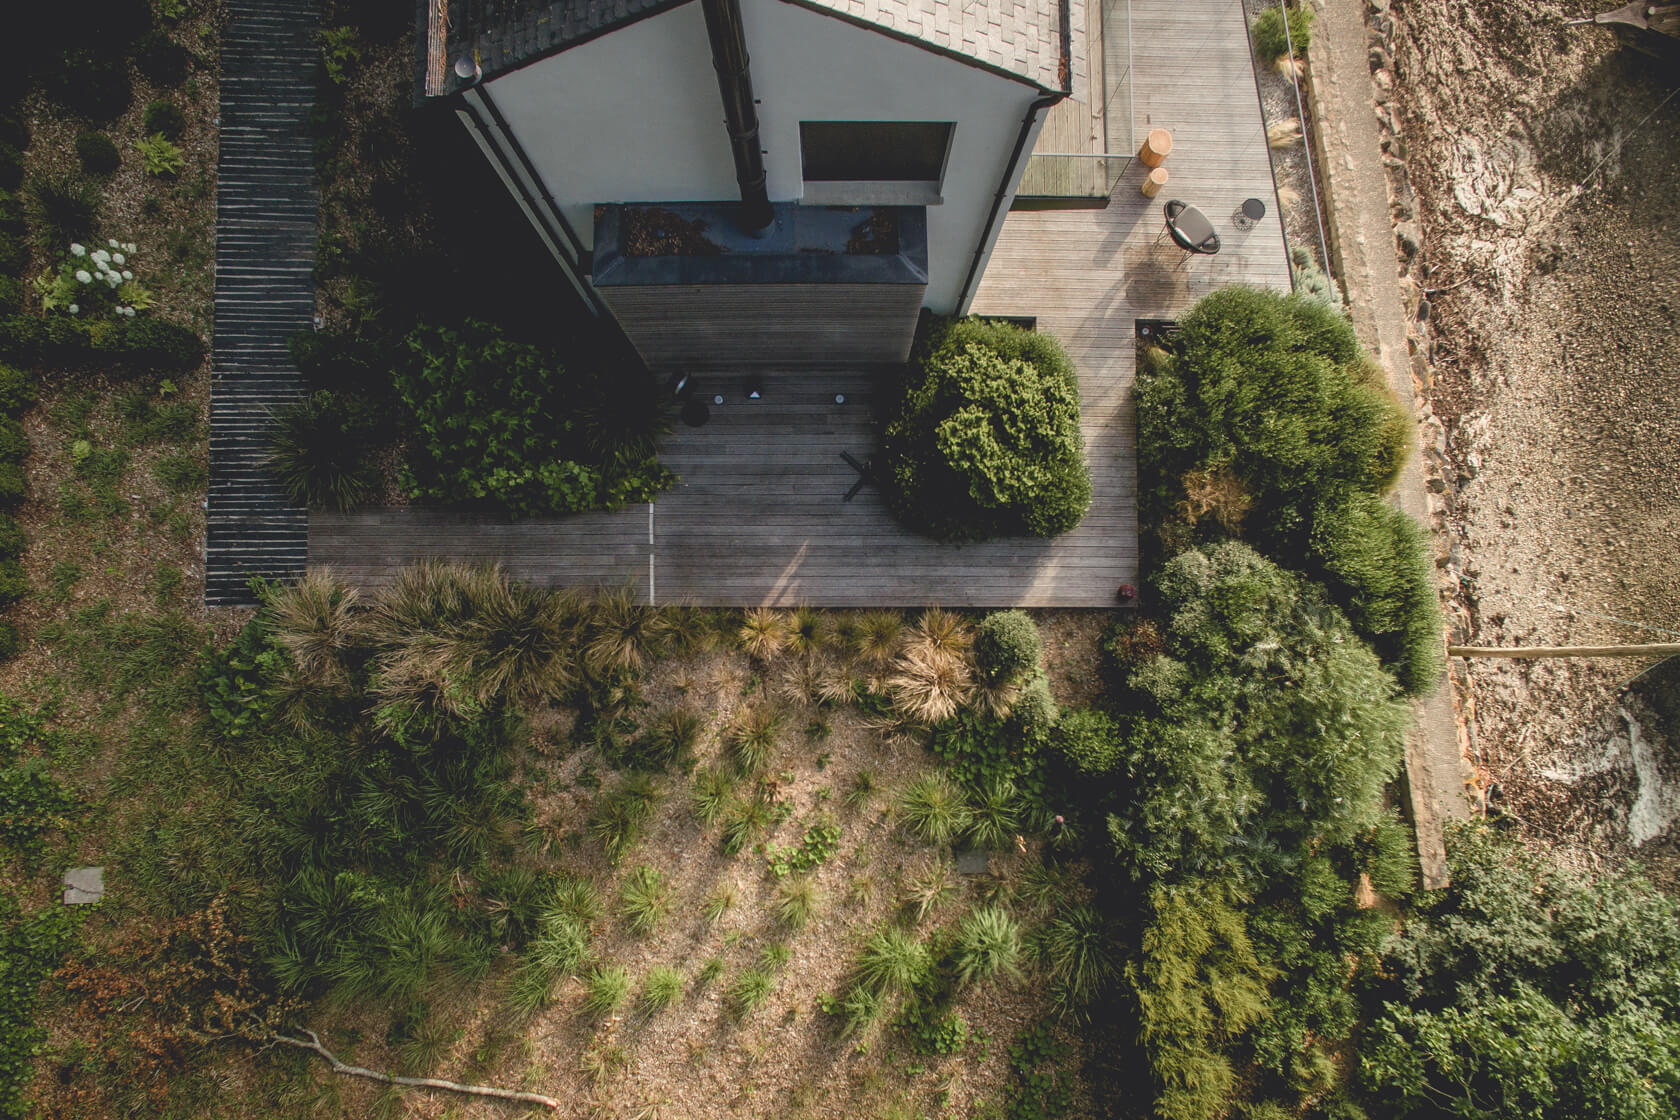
(1018, 37)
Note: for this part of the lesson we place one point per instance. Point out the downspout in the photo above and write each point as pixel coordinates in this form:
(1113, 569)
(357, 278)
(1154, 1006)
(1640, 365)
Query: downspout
(988, 236)
(729, 58)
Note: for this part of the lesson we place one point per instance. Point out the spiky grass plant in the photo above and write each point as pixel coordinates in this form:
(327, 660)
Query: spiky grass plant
(317, 452)
(572, 896)
(891, 960)
(604, 989)
(797, 899)
(798, 684)
(426, 1045)
(929, 887)
(929, 685)
(808, 630)
(994, 815)
(713, 789)
(717, 904)
(749, 991)
(644, 899)
(862, 789)
(600, 1062)
(672, 736)
(518, 645)
(860, 1006)
(708, 974)
(530, 989)
(996, 698)
(933, 808)
(661, 988)
(988, 943)
(621, 815)
(774, 957)
(862, 891)
(876, 636)
(624, 635)
(1082, 959)
(743, 819)
(943, 630)
(763, 633)
(314, 618)
(835, 684)
(751, 739)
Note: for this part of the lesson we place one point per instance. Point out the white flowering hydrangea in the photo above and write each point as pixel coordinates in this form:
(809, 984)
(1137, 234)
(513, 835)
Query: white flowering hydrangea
(95, 282)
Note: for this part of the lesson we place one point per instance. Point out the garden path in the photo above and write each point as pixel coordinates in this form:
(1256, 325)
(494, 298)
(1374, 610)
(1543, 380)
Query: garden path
(759, 517)
(266, 204)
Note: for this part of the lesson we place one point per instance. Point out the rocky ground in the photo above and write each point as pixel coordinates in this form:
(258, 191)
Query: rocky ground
(1537, 174)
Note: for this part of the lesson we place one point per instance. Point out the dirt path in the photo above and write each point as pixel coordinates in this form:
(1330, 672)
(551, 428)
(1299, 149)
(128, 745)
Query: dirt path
(1543, 238)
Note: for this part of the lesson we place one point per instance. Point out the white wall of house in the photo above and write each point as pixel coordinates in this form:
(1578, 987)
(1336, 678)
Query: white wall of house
(635, 116)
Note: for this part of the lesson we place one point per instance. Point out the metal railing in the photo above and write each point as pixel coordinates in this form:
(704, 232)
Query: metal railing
(1092, 176)
(1071, 175)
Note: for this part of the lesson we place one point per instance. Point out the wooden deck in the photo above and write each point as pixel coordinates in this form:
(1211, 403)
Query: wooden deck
(759, 518)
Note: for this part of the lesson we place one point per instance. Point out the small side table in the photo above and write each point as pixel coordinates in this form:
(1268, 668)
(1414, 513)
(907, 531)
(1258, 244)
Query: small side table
(1249, 214)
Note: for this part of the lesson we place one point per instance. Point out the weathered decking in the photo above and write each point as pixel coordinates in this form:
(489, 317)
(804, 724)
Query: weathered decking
(759, 517)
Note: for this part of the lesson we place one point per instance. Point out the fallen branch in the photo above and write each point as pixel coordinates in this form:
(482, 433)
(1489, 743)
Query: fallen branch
(1659, 649)
(314, 1043)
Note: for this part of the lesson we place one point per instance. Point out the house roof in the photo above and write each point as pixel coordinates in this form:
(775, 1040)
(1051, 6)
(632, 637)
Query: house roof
(1020, 38)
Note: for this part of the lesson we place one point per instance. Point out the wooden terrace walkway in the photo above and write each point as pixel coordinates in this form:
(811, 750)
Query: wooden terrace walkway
(759, 518)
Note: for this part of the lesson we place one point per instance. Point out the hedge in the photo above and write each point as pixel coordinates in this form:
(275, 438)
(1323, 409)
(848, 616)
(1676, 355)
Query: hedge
(17, 391)
(983, 437)
(138, 343)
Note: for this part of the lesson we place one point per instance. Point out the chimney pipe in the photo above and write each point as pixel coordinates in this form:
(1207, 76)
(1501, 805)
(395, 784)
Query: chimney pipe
(729, 59)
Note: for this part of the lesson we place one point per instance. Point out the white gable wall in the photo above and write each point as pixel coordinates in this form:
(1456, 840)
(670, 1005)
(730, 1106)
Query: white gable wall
(635, 116)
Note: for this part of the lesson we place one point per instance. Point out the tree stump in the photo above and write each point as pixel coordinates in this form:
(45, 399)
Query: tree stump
(1157, 146)
(1153, 182)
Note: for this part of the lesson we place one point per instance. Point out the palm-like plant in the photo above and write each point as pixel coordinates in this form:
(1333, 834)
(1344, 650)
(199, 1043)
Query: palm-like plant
(314, 618)
(933, 808)
(807, 630)
(743, 819)
(892, 959)
(763, 633)
(988, 943)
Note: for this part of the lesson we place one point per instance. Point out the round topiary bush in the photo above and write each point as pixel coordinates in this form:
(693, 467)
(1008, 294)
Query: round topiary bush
(12, 540)
(14, 584)
(983, 439)
(161, 58)
(1007, 646)
(1034, 713)
(97, 152)
(164, 117)
(1090, 741)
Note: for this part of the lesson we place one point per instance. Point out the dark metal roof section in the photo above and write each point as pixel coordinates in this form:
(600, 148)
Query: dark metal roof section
(503, 35)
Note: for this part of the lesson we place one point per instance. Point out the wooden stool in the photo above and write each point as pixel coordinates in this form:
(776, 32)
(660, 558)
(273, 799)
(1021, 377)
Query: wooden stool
(1157, 146)
(1153, 182)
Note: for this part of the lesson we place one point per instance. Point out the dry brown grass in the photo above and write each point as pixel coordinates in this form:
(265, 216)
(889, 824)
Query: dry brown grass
(763, 633)
(929, 685)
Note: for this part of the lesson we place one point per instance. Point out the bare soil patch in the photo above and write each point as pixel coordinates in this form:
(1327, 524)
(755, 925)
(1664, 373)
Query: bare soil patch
(1543, 237)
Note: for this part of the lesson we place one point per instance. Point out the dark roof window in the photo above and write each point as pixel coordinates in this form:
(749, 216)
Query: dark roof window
(874, 151)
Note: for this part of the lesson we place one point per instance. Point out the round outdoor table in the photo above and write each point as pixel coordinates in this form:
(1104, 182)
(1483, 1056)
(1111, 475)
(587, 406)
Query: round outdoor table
(1190, 228)
(1249, 213)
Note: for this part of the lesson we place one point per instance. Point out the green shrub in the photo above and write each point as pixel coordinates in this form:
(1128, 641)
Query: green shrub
(498, 422)
(32, 946)
(1310, 281)
(161, 59)
(145, 342)
(14, 444)
(1374, 560)
(11, 167)
(13, 542)
(1034, 712)
(1007, 646)
(318, 453)
(1270, 41)
(1083, 959)
(1089, 740)
(14, 584)
(97, 152)
(163, 117)
(983, 439)
(12, 293)
(90, 82)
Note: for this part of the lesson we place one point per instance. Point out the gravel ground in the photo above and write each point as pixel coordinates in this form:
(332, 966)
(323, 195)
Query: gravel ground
(1543, 237)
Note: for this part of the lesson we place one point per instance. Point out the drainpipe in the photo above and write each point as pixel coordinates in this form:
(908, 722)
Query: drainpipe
(729, 59)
